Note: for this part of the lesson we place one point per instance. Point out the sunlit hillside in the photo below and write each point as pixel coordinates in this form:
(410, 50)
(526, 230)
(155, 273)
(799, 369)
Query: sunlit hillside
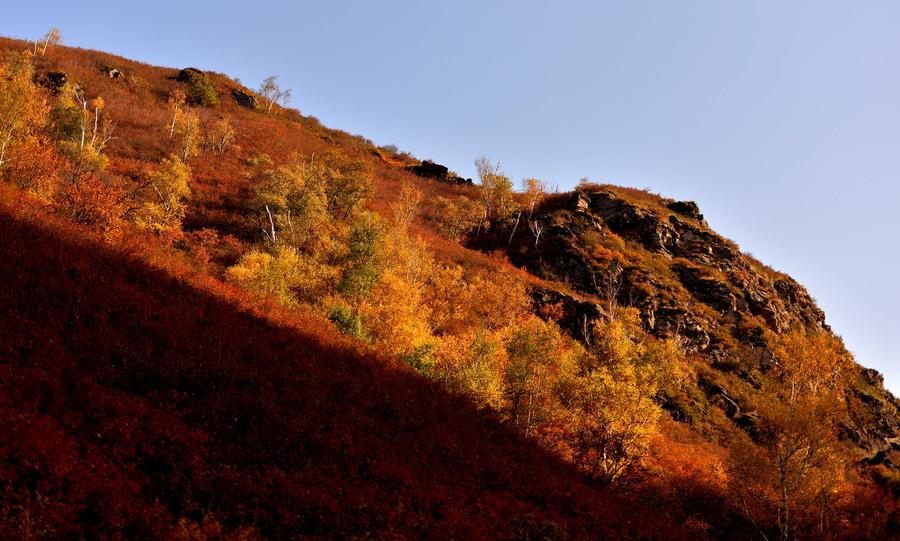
(224, 320)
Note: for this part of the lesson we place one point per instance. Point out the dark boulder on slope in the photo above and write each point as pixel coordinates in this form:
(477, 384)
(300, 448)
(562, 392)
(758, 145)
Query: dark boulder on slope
(244, 99)
(54, 81)
(436, 171)
(187, 75)
(111, 72)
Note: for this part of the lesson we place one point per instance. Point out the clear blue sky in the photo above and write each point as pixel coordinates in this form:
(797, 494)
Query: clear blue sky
(782, 119)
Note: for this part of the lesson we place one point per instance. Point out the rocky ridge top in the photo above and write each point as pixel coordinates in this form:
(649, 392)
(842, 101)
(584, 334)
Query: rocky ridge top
(660, 256)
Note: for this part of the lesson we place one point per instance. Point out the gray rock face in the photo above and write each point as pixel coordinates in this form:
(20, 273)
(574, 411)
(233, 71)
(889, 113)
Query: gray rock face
(716, 293)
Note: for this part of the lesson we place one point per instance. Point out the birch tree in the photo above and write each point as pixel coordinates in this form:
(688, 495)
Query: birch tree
(52, 37)
(785, 476)
(273, 94)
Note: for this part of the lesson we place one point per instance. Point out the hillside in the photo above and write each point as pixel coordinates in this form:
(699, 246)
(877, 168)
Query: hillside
(137, 405)
(227, 321)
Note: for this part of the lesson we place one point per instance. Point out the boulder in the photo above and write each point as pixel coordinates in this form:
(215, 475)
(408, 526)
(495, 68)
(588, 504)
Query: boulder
(670, 320)
(430, 169)
(111, 72)
(688, 209)
(189, 74)
(55, 81)
(244, 99)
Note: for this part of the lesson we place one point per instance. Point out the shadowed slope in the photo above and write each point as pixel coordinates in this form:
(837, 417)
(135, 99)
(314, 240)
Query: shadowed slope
(130, 401)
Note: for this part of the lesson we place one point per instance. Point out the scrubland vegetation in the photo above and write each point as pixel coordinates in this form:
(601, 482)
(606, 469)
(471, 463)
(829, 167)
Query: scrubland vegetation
(183, 268)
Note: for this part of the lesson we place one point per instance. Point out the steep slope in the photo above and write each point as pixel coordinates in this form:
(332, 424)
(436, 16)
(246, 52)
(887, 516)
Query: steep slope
(134, 405)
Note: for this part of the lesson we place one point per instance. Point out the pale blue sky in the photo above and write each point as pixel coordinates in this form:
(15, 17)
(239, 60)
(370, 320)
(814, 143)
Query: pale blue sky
(781, 118)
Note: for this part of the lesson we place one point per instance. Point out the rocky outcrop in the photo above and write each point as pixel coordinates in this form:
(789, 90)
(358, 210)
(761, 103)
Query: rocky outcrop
(572, 314)
(688, 209)
(631, 221)
(436, 171)
(244, 99)
(878, 430)
(707, 289)
(714, 271)
(660, 257)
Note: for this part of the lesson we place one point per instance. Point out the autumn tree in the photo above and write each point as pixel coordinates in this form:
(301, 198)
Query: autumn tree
(472, 362)
(165, 194)
(349, 182)
(200, 90)
(96, 130)
(536, 226)
(364, 262)
(220, 136)
(188, 134)
(538, 358)
(88, 199)
(26, 157)
(397, 319)
(175, 103)
(612, 401)
(534, 191)
(273, 94)
(449, 297)
(785, 475)
(270, 276)
(291, 199)
(409, 254)
(35, 166)
(23, 111)
(455, 218)
(52, 37)
(83, 128)
(496, 190)
(406, 208)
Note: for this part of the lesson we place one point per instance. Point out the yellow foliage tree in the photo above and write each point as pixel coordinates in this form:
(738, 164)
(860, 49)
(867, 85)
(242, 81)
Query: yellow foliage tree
(472, 363)
(165, 195)
(398, 320)
(187, 132)
(273, 277)
(538, 359)
(784, 478)
(291, 204)
(612, 401)
(23, 110)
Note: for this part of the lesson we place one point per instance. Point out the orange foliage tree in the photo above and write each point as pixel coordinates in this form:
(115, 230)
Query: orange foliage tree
(786, 477)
